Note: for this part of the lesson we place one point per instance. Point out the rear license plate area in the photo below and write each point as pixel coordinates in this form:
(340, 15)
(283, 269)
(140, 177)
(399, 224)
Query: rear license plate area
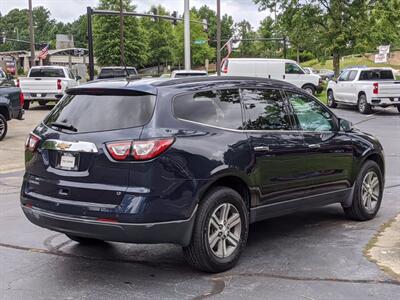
(68, 161)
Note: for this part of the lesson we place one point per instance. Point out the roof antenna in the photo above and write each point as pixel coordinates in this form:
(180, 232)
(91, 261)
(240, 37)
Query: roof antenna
(128, 76)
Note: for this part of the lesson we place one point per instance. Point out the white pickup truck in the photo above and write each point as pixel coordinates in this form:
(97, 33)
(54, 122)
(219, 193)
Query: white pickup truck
(366, 88)
(46, 83)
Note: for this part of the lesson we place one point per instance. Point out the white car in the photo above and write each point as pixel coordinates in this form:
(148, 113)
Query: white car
(187, 73)
(46, 83)
(281, 69)
(366, 88)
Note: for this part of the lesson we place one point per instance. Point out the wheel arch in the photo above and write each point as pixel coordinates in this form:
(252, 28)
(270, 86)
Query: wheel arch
(5, 112)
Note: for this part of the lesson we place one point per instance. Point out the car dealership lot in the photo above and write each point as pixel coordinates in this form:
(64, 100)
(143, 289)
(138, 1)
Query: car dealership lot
(316, 254)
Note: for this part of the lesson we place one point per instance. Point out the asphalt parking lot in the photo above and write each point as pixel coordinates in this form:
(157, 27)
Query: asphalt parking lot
(316, 254)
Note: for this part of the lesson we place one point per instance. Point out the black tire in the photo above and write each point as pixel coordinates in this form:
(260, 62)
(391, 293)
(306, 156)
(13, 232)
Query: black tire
(199, 253)
(3, 127)
(358, 211)
(26, 104)
(363, 106)
(398, 108)
(83, 240)
(42, 103)
(331, 99)
(309, 89)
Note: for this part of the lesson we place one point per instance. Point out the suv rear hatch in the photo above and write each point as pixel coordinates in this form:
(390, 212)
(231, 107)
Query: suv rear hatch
(71, 163)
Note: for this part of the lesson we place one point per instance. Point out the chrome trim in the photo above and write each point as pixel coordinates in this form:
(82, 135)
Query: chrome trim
(37, 211)
(69, 146)
(261, 148)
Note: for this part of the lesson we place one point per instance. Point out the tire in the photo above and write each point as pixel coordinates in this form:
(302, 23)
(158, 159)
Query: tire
(398, 108)
(26, 104)
(42, 103)
(363, 106)
(83, 240)
(3, 127)
(200, 254)
(359, 209)
(331, 100)
(309, 89)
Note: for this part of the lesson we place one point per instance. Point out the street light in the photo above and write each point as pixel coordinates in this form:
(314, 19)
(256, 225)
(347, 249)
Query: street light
(187, 35)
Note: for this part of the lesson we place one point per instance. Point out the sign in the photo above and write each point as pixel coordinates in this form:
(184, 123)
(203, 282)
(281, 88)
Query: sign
(384, 49)
(200, 42)
(380, 58)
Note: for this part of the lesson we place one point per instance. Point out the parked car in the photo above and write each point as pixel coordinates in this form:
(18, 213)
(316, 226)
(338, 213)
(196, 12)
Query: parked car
(193, 161)
(187, 73)
(366, 88)
(11, 102)
(116, 72)
(308, 70)
(46, 83)
(281, 69)
(326, 74)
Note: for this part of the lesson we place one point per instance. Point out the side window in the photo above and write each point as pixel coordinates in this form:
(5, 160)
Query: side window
(265, 110)
(291, 68)
(352, 75)
(344, 76)
(220, 108)
(70, 75)
(310, 115)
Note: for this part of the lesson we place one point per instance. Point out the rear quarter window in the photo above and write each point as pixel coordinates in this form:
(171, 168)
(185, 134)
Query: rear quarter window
(90, 113)
(221, 108)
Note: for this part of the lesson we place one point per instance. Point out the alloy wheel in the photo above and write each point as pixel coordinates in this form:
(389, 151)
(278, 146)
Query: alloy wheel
(370, 191)
(224, 230)
(2, 127)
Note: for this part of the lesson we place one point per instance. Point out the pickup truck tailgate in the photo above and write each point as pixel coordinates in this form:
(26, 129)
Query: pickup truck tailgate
(389, 89)
(39, 85)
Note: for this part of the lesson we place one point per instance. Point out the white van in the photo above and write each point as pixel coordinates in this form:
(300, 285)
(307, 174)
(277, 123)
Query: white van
(281, 69)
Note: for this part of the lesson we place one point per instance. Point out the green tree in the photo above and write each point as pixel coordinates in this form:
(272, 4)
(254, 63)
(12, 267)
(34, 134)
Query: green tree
(161, 38)
(107, 37)
(244, 31)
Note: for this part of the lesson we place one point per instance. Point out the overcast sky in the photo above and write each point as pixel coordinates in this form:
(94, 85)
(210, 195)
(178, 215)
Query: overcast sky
(69, 10)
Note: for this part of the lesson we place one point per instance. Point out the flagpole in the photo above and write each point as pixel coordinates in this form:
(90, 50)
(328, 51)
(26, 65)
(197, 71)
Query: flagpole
(218, 37)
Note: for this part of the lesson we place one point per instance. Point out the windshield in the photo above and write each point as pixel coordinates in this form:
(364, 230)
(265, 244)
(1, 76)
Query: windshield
(90, 113)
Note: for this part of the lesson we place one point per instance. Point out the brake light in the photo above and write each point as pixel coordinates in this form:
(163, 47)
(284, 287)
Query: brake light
(143, 150)
(119, 150)
(18, 83)
(21, 99)
(59, 85)
(139, 150)
(375, 90)
(225, 66)
(32, 142)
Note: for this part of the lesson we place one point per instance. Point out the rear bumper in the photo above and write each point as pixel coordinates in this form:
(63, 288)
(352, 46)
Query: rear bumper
(385, 101)
(176, 232)
(43, 96)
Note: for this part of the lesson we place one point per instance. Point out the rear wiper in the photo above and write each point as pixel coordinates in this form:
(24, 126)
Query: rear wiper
(63, 126)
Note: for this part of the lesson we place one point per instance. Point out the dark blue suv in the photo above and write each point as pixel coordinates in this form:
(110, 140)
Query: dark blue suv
(193, 161)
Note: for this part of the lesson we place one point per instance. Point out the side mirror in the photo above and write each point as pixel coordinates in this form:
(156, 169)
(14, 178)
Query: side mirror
(345, 125)
(78, 77)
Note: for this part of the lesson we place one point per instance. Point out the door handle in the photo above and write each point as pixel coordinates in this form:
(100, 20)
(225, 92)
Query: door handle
(314, 146)
(261, 148)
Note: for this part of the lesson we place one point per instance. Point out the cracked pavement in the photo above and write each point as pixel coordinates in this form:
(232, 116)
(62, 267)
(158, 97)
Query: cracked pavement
(316, 254)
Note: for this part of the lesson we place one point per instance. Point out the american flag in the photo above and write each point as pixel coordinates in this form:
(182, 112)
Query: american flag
(229, 47)
(45, 51)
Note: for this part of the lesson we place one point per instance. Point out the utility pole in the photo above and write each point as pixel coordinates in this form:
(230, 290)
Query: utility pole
(121, 32)
(187, 35)
(31, 35)
(218, 37)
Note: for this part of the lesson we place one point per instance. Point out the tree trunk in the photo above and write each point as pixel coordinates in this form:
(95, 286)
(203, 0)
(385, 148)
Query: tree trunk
(298, 55)
(336, 63)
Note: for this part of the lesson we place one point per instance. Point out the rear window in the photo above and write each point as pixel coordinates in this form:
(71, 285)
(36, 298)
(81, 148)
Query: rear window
(117, 72)
(90, 113)
(47, 72)
(376, 75)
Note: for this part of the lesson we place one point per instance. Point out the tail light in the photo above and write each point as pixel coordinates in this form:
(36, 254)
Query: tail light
(375, 90)
(21, 99)
(138, 150)
(225, 66)
(32, 142)
(59, 85)
(18, 84)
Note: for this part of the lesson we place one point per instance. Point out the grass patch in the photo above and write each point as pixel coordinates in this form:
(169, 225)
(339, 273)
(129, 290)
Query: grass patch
(347, 61)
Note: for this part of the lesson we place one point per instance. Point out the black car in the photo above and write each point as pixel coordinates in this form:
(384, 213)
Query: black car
(11, 103)
(116, 72)
(193, 161)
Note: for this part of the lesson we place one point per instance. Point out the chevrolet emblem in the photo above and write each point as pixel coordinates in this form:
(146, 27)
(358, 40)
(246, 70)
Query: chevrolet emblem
(63, 146)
